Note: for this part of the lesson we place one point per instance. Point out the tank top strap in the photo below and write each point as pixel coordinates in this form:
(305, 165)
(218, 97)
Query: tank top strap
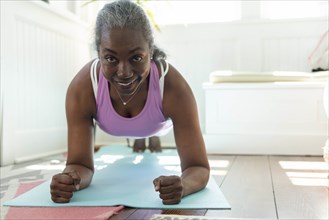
(162, 78)
(93, 76)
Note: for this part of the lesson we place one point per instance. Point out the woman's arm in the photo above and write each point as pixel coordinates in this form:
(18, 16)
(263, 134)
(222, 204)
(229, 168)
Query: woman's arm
(80, 136)
(179, 104)
(80, 111)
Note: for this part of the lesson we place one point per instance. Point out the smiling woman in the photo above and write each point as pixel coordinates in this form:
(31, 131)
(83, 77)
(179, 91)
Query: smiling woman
(131, 91)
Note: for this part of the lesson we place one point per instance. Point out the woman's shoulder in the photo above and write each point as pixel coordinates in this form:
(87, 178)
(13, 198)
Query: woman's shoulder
(80, 97)
(80, 87)
(177, 91)
(82, 79)
(175, 83)
(173, 79)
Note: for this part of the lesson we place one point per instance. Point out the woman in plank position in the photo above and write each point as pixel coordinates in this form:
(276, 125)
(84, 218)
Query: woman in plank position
(130, 91)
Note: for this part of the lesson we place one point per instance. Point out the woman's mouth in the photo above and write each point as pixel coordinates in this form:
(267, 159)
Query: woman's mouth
(126, 84)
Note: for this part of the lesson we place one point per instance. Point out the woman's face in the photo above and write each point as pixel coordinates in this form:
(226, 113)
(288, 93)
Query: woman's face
(125, 58)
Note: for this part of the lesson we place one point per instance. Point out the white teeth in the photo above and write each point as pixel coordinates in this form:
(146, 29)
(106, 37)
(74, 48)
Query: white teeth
(126, 84)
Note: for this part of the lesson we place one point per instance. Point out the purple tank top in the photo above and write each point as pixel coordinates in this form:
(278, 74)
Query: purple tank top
(149, 122)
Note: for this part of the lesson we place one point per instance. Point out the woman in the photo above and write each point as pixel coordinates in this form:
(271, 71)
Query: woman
(134, 93)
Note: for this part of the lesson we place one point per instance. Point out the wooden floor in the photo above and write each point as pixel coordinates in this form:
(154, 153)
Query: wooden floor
(260, 187)
(273, 187)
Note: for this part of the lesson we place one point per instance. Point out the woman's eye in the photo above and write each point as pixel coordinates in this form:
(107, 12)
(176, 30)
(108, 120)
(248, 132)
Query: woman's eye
(137, 58)
(111, 59)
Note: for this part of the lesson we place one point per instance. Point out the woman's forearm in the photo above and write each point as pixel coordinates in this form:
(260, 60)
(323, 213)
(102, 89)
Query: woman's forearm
(194, 179)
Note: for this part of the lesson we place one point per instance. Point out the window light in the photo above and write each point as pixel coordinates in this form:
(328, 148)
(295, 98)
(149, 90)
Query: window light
(293, 9)
(187, 12)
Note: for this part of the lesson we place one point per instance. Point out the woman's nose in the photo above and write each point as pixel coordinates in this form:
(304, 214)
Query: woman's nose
(124, 71)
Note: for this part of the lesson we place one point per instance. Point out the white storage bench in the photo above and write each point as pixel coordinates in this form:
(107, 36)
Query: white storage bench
(282, 118)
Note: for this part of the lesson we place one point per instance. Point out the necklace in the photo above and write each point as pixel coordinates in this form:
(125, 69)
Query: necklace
(132, 95)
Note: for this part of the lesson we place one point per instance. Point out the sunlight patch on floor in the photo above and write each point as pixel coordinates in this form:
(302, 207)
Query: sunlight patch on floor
(309, 181)
(218, 172)
(303, 165)
(45, 167)
(168, 160)
(219, 163)
(99, 167)
(109, 158)
(217, 167)
(138, 159)
(306, 173)
(173, 168)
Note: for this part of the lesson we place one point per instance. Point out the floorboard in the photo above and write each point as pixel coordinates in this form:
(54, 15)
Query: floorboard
(299, 186)
(248, 188)
(123, 214)
(220, 166)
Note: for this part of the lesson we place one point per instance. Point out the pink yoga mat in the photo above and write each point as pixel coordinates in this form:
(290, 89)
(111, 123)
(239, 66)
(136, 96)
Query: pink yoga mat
(100, 213)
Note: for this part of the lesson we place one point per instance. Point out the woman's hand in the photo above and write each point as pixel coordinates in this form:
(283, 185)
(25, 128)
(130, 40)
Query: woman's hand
(63, 185)
(170, 189)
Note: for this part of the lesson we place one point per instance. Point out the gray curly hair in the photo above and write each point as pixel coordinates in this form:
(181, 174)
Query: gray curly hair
(126, 14)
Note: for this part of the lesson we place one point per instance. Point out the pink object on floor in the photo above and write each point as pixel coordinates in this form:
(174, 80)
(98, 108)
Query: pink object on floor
(67, 213)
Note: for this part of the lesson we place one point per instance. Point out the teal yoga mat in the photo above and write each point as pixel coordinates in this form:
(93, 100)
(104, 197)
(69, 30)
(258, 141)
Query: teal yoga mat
(126, 178)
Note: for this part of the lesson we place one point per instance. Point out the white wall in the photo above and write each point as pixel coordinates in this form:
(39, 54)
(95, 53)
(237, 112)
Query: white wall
(41, 50)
